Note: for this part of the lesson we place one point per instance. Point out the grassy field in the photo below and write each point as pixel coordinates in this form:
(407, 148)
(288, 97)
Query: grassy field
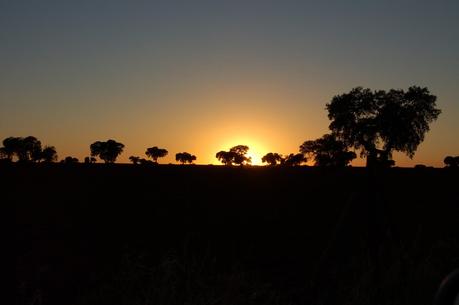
(124, 234)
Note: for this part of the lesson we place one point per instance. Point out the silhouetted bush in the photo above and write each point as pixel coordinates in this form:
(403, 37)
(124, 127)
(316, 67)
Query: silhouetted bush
(143, 161)
(451, 161)
(89, 160)
(70, 160)
(134, 159)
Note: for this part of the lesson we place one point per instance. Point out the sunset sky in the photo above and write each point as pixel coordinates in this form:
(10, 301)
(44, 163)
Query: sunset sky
(202, 76)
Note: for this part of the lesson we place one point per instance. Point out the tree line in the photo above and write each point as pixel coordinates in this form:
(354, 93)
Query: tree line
(373, 123)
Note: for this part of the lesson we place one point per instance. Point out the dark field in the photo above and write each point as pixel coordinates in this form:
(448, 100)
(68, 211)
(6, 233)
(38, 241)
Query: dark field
(122, 234)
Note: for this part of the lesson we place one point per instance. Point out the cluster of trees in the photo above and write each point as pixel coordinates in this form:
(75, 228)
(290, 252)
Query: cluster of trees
(28, 149)
(326, 151)
(273, 159)
(373, 123)
(236, 155)
(155, 153)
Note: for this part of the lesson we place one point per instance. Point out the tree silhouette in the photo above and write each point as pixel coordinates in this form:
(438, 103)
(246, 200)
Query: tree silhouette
(328, 151)
(107, 151)
(272, 159)
(379, 122)
(143, 161)
(11, 147)
(134, 159)
(451, 161)
(25, 149)
(294, 160)
(236, 155)
(49, 154)
(155, 153)
(225, 157)
(185, 157)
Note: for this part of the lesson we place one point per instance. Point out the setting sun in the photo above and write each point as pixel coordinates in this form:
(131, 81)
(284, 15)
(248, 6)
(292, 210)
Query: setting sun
(255, 153)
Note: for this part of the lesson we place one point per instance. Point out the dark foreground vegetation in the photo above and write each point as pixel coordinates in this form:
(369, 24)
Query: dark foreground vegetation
(123, 234)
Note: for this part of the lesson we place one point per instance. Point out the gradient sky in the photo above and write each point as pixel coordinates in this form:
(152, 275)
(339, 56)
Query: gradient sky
(201, 76)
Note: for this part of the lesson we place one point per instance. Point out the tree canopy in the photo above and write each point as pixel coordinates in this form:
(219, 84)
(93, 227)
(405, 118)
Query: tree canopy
(107, 151)
(155, 153)
(185, 157)
(49, 154)
(294, 159)
(272, 159)
(236, 155)
(379, 122)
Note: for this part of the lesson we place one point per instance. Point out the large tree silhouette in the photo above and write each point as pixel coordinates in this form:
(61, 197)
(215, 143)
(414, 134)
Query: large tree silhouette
(379, 122)
(185, 157)
(328, 151)
(272, 159)
(25, 149)
(236, 155)
(107, 151)
(155, 153)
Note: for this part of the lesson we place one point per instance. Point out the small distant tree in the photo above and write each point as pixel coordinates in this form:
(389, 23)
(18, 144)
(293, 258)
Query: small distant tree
(328, 151)
(135, 160)
(185, 157)
(143, 161)
(236, 155)
(107, 151)
(451, 161)
(272, 159)
(49, 154)
(294, 160)
(70, 160)
(155, 153)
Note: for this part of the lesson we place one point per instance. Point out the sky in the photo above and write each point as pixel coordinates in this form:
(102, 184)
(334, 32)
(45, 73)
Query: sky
(202, 76)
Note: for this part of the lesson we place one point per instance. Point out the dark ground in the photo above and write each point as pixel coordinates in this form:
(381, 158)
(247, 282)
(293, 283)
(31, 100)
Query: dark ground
(123, 234)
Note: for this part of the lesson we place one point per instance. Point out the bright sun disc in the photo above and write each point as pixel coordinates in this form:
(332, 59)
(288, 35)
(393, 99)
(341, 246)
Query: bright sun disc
(255, 156)
(255, 150)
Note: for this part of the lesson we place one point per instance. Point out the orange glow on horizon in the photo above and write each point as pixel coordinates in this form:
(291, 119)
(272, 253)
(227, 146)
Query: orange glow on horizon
(256, 149)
